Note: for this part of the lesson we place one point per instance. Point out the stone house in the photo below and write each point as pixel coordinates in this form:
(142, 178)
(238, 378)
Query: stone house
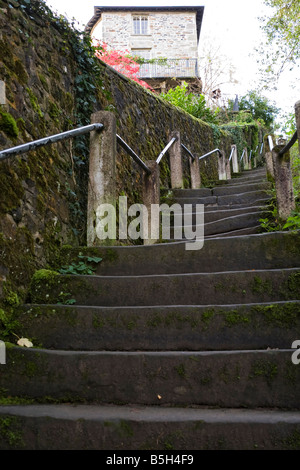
(170, 33)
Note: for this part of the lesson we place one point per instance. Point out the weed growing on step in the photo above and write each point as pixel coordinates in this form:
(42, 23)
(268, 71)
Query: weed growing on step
(85, 266)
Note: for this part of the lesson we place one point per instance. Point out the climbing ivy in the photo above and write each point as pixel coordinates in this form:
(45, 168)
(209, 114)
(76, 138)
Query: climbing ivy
(87, 88)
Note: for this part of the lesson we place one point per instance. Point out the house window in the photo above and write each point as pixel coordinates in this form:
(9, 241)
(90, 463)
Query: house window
(140, 24)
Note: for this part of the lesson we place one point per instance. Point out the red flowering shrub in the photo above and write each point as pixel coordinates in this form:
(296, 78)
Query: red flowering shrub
(121, 61)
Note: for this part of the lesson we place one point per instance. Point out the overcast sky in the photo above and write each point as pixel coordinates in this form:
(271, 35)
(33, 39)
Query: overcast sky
(232, 24)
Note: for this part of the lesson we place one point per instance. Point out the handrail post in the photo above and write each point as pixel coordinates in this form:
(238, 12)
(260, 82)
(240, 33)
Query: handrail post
(195, 173)
(268, 158)
(235, 164)
(297, 116)
(151, 196)
(176, 161)
(222, 166)
(227, 168)
(283, 182)
(245, 160)
(102, 172)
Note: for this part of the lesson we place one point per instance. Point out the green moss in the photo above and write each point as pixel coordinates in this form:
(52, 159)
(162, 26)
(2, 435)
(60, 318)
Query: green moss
(44, 82)
(54, 112)
(20, 72)
(34, 102)
(234, 318)
(11, 431)
(294, 283)
(8, 125)
(292, 442)
(11, 297)
(280, 315)
(264, 368)
(259, 286)
(181, 370)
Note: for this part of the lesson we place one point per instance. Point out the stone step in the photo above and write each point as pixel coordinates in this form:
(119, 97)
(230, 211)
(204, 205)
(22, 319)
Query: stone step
(263, 203)
(234, 233)
(170, 289)
(141, 428)
(265, 250)
(221, 190)
(215, 213)
(260, 378)
(223, 225)
(189, 328)
(250, 197)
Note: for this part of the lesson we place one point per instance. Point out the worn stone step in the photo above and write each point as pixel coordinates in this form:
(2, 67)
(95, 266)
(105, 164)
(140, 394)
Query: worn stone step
(252, 197)
(222, 225)
(190, 328)
(211, 216)
(265, 250)
(235, 233)
(263, 203)
(171, 289)
(221, 190)
(243, 198)
(217, 213)
(141, 428)
(262, 378)
(246, 187)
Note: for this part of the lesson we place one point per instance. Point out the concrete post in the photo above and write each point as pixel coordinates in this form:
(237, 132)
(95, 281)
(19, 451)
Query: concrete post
(176, 162)
(297, 115)
(2, 93)
(234, 159)
(151, 195)
(102, 171)
(222, 166)
(283, 182)
(195, 173)
(268, 159)
(228, 168)
(245, 160)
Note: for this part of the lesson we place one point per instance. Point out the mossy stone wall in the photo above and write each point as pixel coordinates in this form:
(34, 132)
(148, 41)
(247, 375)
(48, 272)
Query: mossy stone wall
(36, 188)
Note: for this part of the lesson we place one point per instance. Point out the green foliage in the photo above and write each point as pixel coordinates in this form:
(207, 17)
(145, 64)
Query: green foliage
(255, 107)
(293, 222)
(8, 323)
(192, 104)
(282, 29)
(85, 266)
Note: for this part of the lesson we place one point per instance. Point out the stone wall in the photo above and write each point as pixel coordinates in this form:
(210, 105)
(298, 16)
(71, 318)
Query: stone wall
(36, 188)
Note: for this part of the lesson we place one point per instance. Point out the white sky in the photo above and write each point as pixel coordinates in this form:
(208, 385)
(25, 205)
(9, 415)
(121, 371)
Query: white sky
(232, 24)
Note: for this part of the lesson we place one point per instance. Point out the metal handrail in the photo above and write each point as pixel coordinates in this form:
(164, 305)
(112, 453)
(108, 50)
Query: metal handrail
(261, 148)
(135, 157)
(231, 154)
(165, 149)
(242, 154)
(188, 151)
(19, 149)
(289, 144)
(209, 153)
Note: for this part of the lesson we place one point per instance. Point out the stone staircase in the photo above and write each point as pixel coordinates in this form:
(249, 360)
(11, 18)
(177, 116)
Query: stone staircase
(164, 348)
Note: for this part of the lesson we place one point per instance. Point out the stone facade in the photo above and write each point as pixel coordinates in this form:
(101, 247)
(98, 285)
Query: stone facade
(169, 34)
